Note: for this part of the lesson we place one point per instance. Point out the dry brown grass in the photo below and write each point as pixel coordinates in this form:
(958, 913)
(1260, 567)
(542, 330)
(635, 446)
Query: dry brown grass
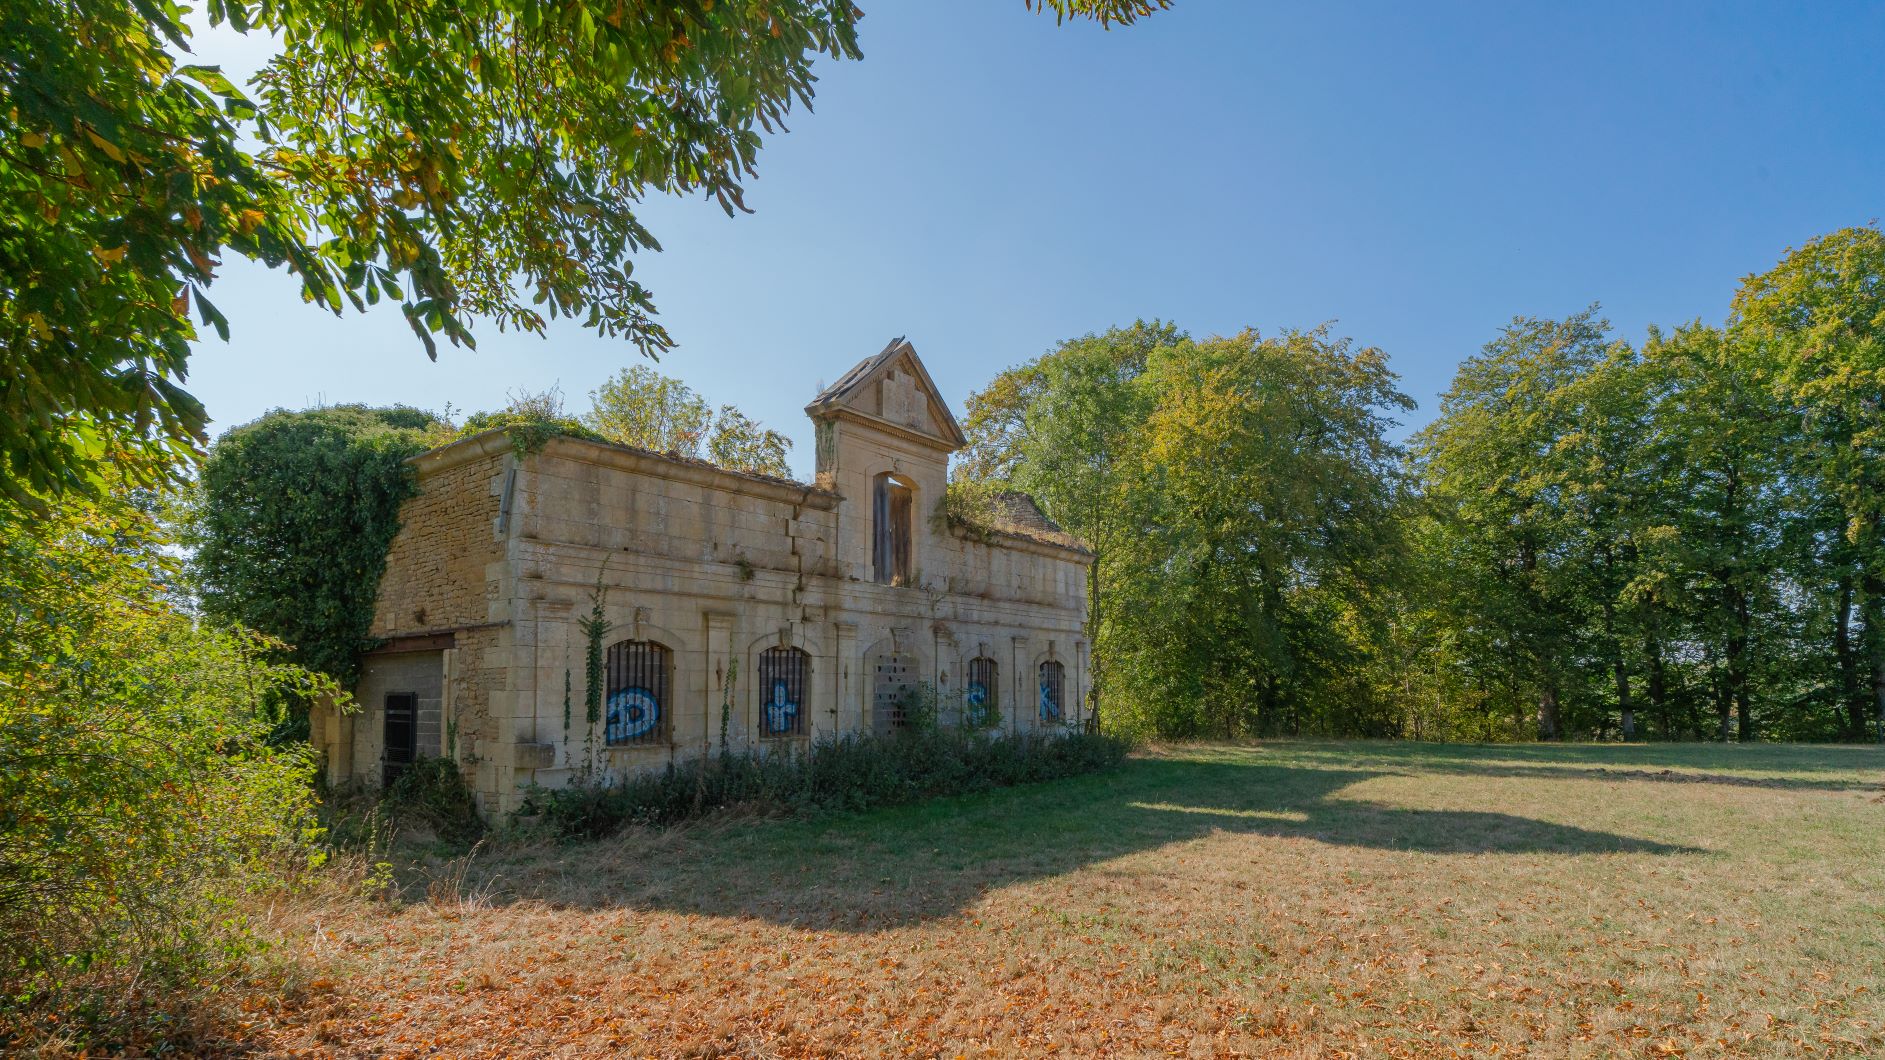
(1293, 899)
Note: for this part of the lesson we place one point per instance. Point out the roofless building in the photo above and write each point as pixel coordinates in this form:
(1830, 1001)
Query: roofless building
(807, 610)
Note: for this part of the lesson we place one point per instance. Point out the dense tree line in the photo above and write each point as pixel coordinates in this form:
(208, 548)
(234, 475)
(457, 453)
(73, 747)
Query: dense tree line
(1679, 539)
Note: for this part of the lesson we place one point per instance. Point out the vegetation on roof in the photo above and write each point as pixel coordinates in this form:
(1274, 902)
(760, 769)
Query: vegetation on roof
(985, 511)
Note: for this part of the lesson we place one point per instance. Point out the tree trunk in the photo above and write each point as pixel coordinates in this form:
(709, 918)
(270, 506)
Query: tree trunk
(1878, 685)
(1738, 665)
(1875, 636)
(1659, 686)
(1230, 717)
(1850, 698)
(1270, 704)
(1093, 640)
(1626, 708)
(1548, 713)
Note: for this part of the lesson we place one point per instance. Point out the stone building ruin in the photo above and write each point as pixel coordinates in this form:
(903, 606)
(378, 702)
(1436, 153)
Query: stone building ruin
(808, 610)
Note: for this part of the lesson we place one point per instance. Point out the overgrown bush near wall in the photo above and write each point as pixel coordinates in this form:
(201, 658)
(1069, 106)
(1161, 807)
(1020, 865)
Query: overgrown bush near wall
(140, 796)
(845, 773)
(433, 791)
(292, 521)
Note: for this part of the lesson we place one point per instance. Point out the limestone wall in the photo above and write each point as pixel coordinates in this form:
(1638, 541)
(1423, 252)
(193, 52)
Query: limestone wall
(505, 556)
(718, 567)
(444, 611)
(448, 556)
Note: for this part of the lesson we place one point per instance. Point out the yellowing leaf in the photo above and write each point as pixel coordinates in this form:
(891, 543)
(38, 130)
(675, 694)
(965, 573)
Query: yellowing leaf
(110, 149)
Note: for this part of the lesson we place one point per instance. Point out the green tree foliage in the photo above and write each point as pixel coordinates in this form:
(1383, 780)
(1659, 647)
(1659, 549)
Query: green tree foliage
(140, 798)
(1679, 541)
(643, 408)
(1819, 319)
(738, 441)
(1493, 464)
(292, 521)
(1243, 500)
(1718, 440)
(461, 160)
(1267, 496)
(531, 419)
(1062, 428)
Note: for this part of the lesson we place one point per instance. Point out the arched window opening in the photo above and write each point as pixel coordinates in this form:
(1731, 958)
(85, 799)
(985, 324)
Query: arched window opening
(782, 673)
(982, 695)
(893, 503)
(636, 707)
(1053, 677)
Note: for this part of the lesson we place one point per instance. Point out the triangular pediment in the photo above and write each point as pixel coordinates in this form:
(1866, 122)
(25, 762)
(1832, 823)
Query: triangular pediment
(892, 387)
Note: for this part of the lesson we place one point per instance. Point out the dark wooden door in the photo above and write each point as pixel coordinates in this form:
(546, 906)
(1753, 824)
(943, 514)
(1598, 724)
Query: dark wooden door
(401, 734)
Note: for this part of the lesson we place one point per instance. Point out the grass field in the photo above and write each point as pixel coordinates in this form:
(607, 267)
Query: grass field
(1297, 898)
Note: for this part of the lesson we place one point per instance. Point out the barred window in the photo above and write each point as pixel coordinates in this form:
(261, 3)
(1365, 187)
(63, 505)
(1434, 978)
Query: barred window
(1053, 675)
(637, 704)
(782, 691)
(982, 696)
(400, 727)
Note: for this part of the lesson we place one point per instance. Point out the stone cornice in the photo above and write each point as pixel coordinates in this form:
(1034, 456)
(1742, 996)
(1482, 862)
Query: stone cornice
(878, 423)
(461, 452)
(1020, 543)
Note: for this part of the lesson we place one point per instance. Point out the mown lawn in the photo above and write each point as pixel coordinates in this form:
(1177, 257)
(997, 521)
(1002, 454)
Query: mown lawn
(1297, 898)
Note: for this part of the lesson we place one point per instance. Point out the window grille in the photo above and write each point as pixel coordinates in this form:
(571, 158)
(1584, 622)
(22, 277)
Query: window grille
(400, 730)
(981, 697)
(894, 676)
(782, 674)
(636, 710)
(1053, 675)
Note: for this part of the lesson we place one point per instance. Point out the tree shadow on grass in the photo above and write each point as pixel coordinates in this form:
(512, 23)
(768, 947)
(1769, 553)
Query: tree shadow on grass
(1675, 764)
(909, 864)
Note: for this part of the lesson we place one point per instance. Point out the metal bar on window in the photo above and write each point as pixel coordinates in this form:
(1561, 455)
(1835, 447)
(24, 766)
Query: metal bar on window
(1052, 676)
(637, 701)
(399, 732)
(982, 696)
(782, 691)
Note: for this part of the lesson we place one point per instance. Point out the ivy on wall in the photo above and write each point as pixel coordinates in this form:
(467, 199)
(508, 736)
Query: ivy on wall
(292, 520)
(294, 513)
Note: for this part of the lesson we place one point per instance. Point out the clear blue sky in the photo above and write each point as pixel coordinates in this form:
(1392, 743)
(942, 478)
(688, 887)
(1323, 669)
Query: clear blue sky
(988, 184)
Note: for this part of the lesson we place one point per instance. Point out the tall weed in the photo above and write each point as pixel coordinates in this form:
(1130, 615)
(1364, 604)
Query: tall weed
(843, 773)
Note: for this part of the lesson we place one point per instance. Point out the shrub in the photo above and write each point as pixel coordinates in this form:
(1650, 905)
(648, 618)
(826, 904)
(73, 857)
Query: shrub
(529, 429)
(140, 797)
(843, 773)
(433, 792)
